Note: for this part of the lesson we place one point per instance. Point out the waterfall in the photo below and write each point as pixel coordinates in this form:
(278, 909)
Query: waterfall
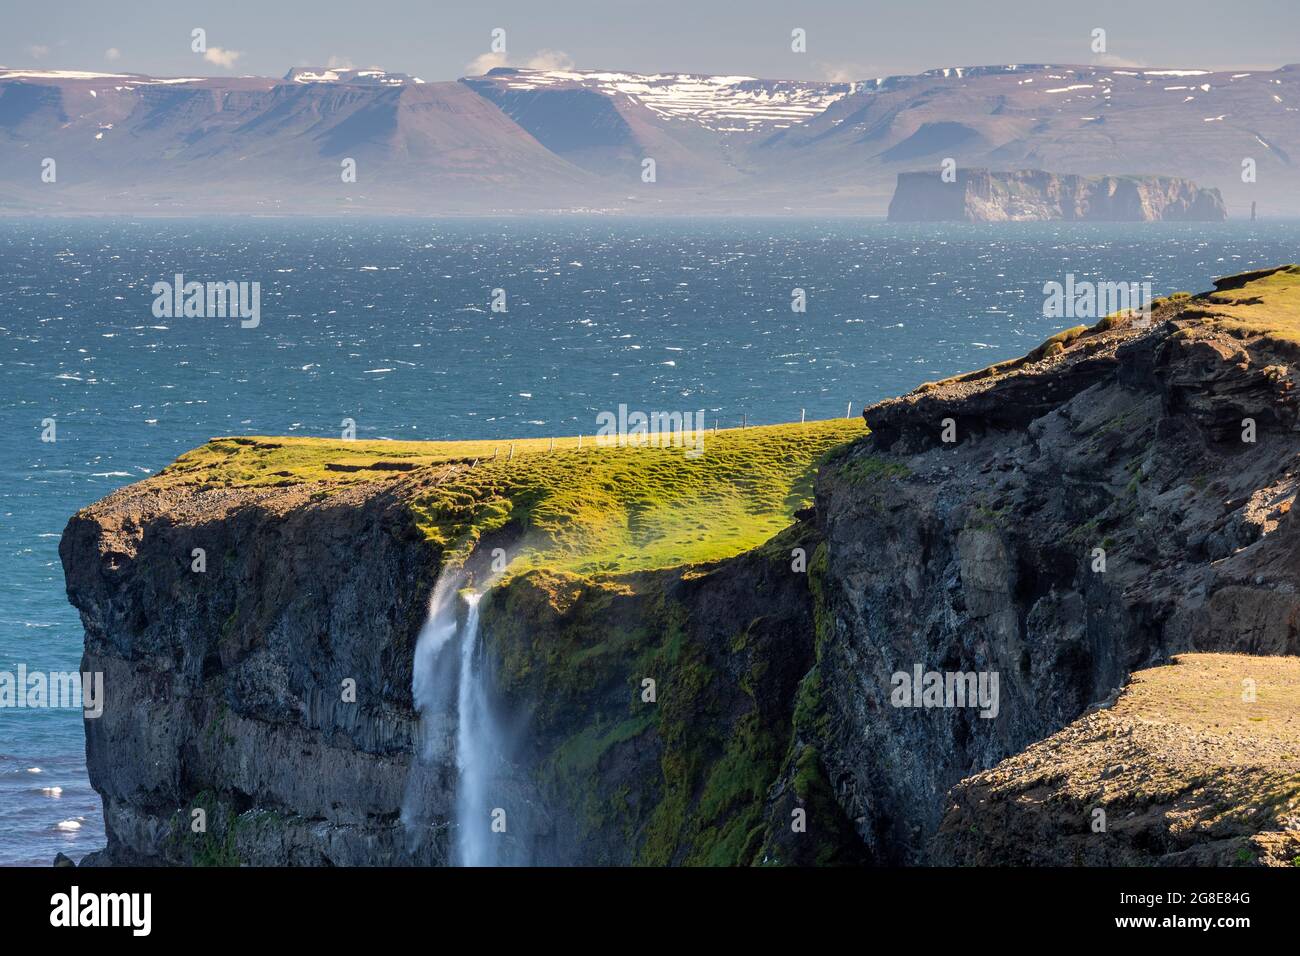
(450, 686)
(477, 756)
(430, 677)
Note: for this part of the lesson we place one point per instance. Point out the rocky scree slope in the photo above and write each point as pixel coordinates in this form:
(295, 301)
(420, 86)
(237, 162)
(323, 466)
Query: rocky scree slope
(1195, 765)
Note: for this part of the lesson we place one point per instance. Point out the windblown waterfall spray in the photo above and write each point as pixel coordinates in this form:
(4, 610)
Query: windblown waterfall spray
(430, 677)
(451, 688)
(477, 757)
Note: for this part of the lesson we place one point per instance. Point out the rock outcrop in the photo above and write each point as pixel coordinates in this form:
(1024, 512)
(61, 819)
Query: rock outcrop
(1052, 524)
(227, 683)
(981, 195)
(1096, 511)
(1195, 764)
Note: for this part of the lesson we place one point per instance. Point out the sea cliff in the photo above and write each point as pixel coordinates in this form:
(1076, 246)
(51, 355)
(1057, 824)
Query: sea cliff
(1095, 510)
(982, 195)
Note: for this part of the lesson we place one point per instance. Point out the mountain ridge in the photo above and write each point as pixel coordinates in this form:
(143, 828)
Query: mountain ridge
(539, 140)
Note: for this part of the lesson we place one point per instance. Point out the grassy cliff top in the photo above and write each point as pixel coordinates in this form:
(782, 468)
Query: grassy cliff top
(1265, 302)
(594, 509)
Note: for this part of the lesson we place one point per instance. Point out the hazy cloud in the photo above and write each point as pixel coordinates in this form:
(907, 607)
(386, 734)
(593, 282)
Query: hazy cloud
(550, 60)
(1109, 59)
(336, 62)
(38, 50)
(541, 60)
(222, 57)
(841, 72)
(484, 62)
(112, 53)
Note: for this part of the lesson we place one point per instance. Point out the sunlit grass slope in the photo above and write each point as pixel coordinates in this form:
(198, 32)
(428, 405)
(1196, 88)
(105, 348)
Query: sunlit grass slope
(1266, 302)
(584, 510)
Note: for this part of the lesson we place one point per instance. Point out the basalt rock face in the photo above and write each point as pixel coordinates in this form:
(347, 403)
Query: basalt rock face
(228, 684)
(981, 195)
(665, 710)
(227, 691)
(1060, 522)
(1095, 513)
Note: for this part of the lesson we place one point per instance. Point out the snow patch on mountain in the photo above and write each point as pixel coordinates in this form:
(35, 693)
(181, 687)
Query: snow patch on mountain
(718, 103)
(323, 74)
(6, 74)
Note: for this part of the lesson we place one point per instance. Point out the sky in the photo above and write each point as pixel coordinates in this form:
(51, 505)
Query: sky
(442, 41)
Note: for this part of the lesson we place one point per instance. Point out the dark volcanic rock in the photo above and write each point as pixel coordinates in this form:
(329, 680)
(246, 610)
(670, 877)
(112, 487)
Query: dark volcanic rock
(978, 555)
(224, 689)
(696, 775)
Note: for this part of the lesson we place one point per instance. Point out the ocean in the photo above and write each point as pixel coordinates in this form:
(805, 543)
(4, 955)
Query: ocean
(390, 323)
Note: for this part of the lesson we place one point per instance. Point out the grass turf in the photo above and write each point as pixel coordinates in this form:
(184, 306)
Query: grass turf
(1265, 303)
(595, 508)
(588, 510)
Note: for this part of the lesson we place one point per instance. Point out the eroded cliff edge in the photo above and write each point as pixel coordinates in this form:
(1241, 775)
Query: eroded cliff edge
(772, 673)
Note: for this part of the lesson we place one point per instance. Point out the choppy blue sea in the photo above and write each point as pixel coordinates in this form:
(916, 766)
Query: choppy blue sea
(390, 323)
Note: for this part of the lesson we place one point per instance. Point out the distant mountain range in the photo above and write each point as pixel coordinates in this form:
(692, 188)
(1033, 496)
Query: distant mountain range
(519, 141)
